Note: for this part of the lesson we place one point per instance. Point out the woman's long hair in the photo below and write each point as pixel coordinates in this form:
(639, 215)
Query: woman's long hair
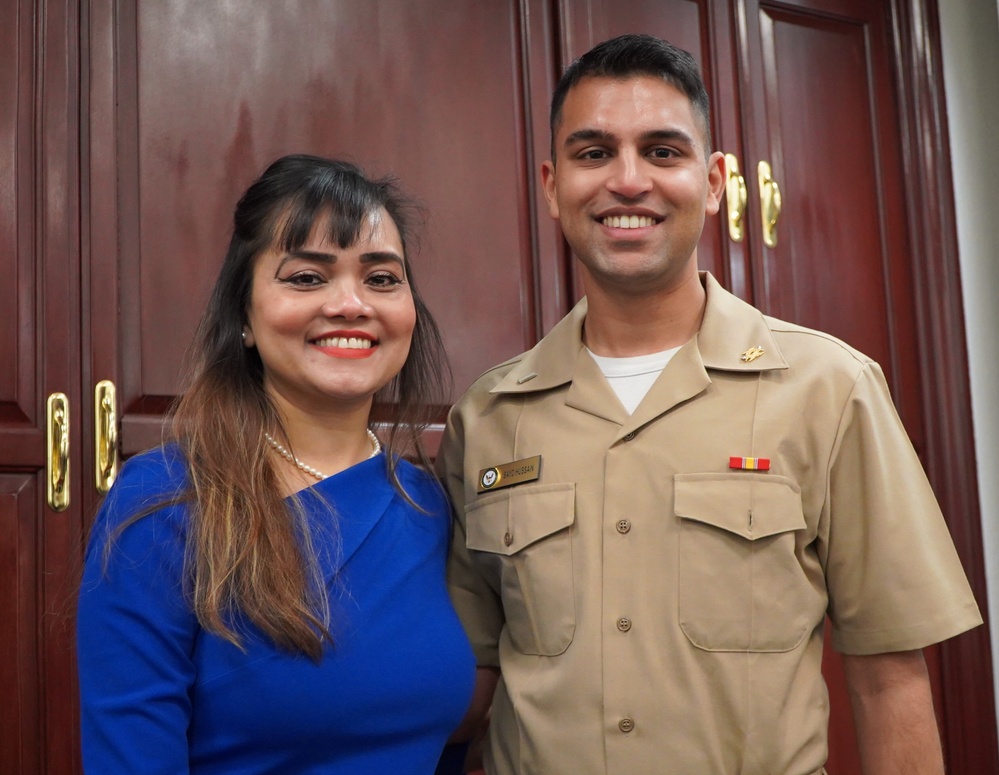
(249, 554)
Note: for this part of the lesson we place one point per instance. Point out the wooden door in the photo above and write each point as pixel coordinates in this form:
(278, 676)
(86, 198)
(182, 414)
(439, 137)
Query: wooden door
(187, 103)
(825, 109)
(824, 114)
(39, 353)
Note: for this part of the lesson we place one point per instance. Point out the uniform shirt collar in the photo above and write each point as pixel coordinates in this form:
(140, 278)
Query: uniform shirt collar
(729, 329)
(732, 328)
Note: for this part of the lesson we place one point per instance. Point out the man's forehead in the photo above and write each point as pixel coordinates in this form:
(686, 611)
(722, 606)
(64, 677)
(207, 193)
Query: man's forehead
(595, 103)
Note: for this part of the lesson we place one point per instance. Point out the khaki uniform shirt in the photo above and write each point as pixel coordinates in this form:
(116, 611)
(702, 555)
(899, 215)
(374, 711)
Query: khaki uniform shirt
(654, 610)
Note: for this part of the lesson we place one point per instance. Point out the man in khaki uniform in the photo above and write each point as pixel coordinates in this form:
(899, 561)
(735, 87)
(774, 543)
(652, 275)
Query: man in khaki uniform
(657, 506)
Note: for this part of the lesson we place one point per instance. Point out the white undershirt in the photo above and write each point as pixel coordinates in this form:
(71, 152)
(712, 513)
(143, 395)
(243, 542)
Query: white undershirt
(632, 377)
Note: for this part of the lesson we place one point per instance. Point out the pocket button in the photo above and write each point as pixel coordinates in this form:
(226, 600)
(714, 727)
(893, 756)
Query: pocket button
(626, 724)
(623, 526)
(624, 624)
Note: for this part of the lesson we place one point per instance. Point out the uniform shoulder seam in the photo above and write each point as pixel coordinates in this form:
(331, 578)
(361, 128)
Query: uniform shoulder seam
(783, 327)
(504, 365)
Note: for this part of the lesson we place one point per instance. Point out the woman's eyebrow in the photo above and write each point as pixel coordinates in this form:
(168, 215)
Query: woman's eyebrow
(373, 257)
(308, 255)
(381, 256)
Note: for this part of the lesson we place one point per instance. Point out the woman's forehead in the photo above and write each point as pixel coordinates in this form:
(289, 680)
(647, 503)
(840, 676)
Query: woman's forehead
(293, 227)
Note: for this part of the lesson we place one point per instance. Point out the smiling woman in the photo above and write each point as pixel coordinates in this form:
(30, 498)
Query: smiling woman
(332, 324)
(274, 527)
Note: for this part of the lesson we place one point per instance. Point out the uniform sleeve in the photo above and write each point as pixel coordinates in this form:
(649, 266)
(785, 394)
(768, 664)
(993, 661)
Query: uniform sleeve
(478, 606)
(895, 580)
(135, 636)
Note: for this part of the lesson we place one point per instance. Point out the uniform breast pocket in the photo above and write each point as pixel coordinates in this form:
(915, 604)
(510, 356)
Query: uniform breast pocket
(522, 537)
(741, 585)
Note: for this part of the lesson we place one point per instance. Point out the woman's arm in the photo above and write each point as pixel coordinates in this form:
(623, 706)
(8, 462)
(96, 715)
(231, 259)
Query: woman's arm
(135, 640)
(463, 752)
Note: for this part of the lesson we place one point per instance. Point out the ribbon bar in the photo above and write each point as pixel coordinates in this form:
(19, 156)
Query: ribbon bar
(749, 463)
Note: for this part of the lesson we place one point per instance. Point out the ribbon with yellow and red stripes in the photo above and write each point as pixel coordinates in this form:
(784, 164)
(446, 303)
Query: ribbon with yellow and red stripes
(749, 463)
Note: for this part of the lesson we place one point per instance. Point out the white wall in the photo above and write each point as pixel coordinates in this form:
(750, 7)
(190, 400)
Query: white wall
(970, 35)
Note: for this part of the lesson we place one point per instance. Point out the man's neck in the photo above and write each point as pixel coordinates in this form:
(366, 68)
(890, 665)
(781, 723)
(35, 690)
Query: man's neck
(626, 324)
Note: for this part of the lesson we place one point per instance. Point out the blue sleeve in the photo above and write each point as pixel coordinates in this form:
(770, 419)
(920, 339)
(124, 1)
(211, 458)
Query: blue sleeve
(135, 631)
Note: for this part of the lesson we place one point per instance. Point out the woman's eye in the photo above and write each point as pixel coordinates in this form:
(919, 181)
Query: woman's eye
(304, 279)
(384, 280)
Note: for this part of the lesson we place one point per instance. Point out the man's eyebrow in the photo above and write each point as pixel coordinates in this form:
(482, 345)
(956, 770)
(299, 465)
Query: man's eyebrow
(587, 135)
(601, 135)
(669, 135)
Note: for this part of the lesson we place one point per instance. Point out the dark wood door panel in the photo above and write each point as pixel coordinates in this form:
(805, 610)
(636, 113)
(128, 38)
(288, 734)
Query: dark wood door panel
(40, 345)
(19, 669)
(824, 150)
(190, 102)
(829, 127)
(18, 305)
(38, 571)
(681, 22)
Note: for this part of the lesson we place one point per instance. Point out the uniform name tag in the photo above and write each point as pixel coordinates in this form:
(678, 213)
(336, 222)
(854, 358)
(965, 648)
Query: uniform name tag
(517, 472)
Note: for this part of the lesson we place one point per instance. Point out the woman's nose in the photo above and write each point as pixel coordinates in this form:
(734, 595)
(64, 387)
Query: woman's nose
(346, 300)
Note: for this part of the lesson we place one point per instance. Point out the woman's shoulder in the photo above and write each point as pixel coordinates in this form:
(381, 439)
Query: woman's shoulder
(422, 486)
(152, 478)
(161, 471)
(144, 511)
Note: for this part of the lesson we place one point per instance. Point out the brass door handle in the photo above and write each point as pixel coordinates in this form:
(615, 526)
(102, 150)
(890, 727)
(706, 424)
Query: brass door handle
(770, 203)
(736, 196)
(57, 438)
(105, 436)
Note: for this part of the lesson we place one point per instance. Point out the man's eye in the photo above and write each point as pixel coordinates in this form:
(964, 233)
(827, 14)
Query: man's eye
(663, 153)
(593, 154)
(384, 280)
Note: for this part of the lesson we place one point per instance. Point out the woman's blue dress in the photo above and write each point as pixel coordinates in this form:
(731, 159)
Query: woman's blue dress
(161, 695)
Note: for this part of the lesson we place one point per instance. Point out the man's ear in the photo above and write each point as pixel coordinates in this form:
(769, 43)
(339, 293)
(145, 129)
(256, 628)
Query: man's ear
(548, 187)
(716, 182)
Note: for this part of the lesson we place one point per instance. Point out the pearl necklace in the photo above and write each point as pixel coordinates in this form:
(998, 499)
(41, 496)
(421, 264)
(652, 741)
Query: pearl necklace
(376, 447)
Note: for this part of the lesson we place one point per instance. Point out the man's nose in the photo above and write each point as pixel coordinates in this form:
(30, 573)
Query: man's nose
(629, 177)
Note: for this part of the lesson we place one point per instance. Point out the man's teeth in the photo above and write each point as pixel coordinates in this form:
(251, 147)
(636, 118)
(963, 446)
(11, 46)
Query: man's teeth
(345, 343)
(628, 221)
